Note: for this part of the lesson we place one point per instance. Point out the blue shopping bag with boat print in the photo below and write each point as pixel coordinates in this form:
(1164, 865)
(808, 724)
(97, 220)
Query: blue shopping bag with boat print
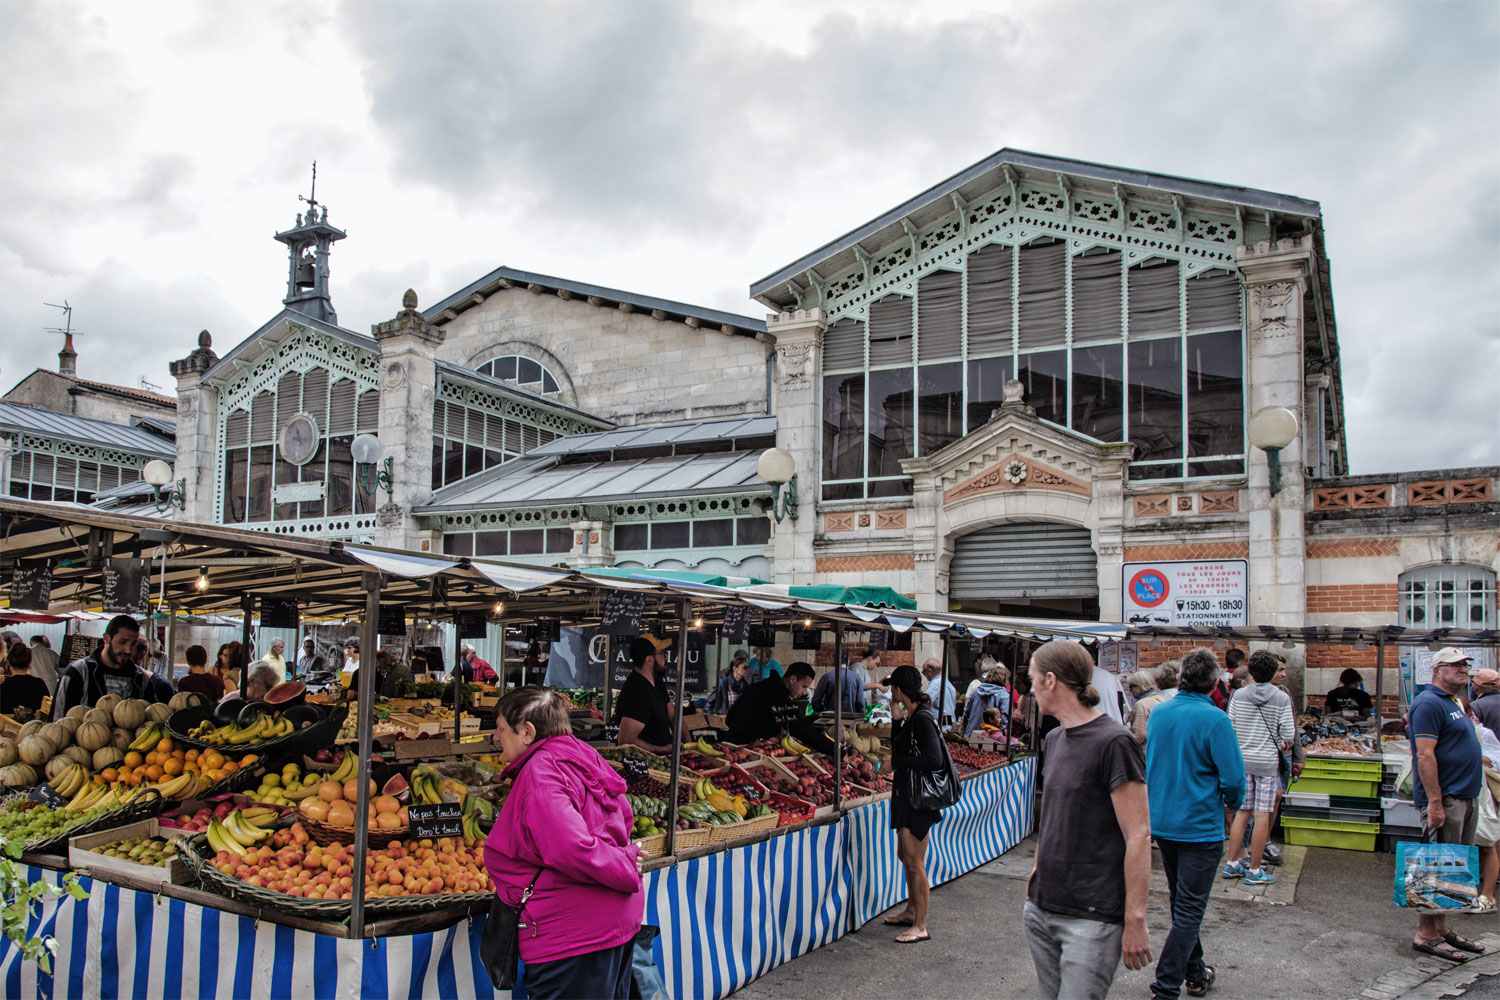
(1436, 876)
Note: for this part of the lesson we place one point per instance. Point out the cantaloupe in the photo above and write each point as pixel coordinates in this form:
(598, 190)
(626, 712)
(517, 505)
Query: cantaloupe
(77, 712)
(107, 757)
(18, 776)
(78, 753)
(56, 735)
(186, 699)
(30, 729)
(36, 750)
(122, 738)
(8, 752)
(131, 714)
(158, 714)
(108, 703)
(70, 724)
(92, 736)
(57, 765)
(101, 716)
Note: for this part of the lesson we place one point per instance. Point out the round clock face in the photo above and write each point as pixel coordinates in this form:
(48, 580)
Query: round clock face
(299, 439)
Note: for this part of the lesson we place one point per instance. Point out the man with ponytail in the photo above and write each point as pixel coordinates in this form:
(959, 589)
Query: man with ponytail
(1086, 896)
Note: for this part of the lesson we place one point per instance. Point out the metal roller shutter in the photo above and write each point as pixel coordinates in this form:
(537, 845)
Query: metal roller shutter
(1030, 559)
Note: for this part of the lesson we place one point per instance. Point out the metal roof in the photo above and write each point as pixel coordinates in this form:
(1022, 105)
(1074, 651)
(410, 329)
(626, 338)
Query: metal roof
(698, 432)
(508, 277)
(461, 374)
(160, 425)
(975, 181)
(293, 316)
(82, 430)
(538, 481)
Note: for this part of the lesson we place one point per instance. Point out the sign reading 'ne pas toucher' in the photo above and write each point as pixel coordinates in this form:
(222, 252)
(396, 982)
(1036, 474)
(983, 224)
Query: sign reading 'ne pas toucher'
(1205, 592)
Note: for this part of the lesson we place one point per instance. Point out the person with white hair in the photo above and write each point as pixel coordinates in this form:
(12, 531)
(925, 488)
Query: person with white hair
(276, 659)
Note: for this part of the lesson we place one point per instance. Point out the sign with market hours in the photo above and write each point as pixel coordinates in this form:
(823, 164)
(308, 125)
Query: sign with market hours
(1212, 593)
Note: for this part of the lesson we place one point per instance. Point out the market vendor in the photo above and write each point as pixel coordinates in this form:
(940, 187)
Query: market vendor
(644, 710)
(1348, 696)
(772, 708)
(21, 695)
(109, 669)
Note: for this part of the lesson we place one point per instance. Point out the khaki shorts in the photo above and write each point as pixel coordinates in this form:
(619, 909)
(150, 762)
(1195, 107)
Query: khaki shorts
(1461, 816)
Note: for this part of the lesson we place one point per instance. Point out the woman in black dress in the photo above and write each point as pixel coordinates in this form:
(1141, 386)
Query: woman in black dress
(916, 745)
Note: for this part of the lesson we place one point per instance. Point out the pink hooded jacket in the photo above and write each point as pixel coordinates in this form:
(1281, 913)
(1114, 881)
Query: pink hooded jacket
(567, 815)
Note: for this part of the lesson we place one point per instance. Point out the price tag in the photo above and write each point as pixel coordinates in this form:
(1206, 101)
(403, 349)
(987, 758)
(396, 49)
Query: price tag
(622, 612)
(548, 630)
(762, 635)
(879, 638)
(76, 646)
(737, 622)
(633, 768)
(47, 797)
(446, 819)
(31, 585)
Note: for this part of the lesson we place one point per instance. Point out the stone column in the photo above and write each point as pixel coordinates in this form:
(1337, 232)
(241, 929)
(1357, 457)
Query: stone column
(592, 545)
(798, 336)
(408, 381)
(198, 455)
(1276, 278)
(1107, 517)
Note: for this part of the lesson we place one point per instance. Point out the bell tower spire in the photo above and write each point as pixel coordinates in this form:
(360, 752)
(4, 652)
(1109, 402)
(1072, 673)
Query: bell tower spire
(308, 245)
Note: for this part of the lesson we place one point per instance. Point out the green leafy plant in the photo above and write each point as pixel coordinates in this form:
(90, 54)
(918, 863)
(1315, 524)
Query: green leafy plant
(21, 899)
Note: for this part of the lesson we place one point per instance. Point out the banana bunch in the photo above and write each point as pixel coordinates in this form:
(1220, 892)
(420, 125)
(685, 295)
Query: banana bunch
(701, 812)
(425, 785)
(183, 786)
(71, 781)
(704, 788)
(92, 796)
(707, 749)
(233, 734)
(794, 748)
(472, 833)
(239, 833)
(348, 768)
(147, 738)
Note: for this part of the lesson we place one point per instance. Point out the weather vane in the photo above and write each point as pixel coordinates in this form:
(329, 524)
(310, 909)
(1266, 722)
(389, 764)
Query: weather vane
(312, 198)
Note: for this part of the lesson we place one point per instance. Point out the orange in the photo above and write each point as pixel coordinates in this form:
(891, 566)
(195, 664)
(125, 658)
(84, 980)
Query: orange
(165, 746)
(154, 772)
(228, 767)
(134, 759)
(387, 804)
(172, 767)
(109, 774)
(212, 759)
(248, 759)
(330, 791)
(191, 755)
(340, 814)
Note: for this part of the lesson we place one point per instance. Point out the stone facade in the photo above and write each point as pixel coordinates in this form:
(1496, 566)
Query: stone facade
(95, 400)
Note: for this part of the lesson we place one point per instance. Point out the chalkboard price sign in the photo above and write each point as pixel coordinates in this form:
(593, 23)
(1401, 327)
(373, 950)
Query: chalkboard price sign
(47, 797)
(548, 630)
(473, 625)
(762, 635)
(31, 585)
(879, 638)
(633, 768)
(622, 612)
(76, 646)
(446, 819)
(392, 619)
(737, 622)
(807, 638)
(278, 612)
(127, 586)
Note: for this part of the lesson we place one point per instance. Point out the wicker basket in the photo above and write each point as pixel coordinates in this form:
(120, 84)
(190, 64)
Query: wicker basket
(318, 736)
(700, 837)
(653, 846)
(744, 828)
(327, 833)
(144, 806)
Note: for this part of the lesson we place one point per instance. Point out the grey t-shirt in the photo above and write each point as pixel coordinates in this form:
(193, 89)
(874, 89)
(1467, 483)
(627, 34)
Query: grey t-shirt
(1080, 856)
(1486, 706)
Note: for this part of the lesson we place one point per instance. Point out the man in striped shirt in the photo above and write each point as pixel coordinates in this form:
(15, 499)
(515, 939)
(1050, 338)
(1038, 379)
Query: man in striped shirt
(1262, 718)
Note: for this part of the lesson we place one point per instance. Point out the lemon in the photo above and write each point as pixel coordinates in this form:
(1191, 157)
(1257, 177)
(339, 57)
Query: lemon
(270, 781)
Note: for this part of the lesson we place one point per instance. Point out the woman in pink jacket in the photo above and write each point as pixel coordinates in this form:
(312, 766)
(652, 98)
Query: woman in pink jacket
(566, 825)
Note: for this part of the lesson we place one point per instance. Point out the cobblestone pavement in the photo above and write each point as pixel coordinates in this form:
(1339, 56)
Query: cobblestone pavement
(1430, 979)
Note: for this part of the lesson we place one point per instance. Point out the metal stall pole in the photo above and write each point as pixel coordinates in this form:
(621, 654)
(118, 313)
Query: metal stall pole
(365, 705)
(838, 717)
(247, 605)
(684, 615)
(943, 688)
(1379, 687)
(458, 681)
(609, 675)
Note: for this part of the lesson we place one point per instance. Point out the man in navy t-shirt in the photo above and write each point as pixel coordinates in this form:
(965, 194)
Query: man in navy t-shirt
(1450, 776)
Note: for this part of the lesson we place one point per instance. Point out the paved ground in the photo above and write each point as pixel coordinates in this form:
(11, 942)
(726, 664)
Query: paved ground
(1327, 929)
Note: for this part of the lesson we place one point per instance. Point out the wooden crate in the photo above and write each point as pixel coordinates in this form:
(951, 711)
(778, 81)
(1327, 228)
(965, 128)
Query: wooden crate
(422, 749)
(79, 856)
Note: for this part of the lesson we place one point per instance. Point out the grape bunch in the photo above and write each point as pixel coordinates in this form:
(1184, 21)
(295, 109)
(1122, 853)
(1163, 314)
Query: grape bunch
(32, 822)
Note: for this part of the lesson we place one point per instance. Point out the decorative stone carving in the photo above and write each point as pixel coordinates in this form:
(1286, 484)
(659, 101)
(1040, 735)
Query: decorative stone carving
(1273, 302)
(864, 520)
(890, 520)
(395, 376)
(1010, 474)
(1158, 505)
(1185, 504)
(793, 362)
(1015, 470)
(1014, 390)
(838, 522)
(1218, 501)
(390, 515)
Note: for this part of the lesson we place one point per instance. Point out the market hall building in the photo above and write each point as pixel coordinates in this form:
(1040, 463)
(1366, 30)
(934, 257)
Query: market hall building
(1025, 391)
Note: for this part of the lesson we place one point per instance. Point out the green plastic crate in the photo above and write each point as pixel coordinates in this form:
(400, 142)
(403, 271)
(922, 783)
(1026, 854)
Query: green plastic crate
(1331, 783)
(1345, 767)
(1306, 832)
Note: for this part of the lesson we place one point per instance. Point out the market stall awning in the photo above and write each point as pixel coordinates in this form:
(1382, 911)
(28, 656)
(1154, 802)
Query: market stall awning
(832, 593)
(674, 576)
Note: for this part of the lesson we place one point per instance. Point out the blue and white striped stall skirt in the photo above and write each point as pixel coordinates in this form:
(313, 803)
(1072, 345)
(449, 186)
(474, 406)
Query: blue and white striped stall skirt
(726, 919)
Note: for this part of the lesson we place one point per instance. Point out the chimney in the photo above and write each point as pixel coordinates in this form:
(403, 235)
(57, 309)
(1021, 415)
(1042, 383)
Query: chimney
(67, 359)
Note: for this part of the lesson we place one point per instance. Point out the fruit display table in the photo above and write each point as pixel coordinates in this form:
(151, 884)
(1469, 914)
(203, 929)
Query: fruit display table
(812, 882)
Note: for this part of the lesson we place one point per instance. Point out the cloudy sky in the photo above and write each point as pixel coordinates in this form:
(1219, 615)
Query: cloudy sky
(149, 151)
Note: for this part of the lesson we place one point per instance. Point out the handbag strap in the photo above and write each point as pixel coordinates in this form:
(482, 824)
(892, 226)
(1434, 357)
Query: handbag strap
(527, 893)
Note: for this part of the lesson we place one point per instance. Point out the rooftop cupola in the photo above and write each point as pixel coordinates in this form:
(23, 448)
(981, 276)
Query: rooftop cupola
(308, 244)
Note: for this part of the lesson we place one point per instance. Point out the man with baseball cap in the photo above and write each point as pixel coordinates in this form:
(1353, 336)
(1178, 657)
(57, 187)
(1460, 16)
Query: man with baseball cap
(644, 710)
(1486, 699)
(1450, 776)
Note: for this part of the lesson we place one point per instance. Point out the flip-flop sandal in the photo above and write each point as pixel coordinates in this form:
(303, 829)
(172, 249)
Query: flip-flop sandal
(1201, 988)
(897, 922)
(1463, 944)
(1435, 948)
(914, 940)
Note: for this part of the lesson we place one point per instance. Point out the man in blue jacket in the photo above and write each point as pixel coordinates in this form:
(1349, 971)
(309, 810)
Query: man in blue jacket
(1194, 771)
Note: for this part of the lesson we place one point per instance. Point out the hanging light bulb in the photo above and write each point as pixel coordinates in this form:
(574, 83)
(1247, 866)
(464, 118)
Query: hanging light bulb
(807, 623)
(1361, 644)
(697, 623)
(498, 609)
(202, 582)
(1289, 644)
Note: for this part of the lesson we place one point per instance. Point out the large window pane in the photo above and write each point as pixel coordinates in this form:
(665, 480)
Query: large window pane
(890, 421)
(1154, 302)
(843, 491)
(236, 470)
(491, 543)
(986, 388)
(260, 482)
(843, 426)
(752, 530)
(340, 476)
(437, 463)
(1155, 402)
(458, 545)
(1096, 295)
(1045, 378)
(719, 531)
(286, 473)
(1215, 394)
(632, 537)
(940, 406)
(453, 461)
(559, 540)
(670, 535)
(527, 542)
(891, 488)
(1099, 392)
(1042, 302)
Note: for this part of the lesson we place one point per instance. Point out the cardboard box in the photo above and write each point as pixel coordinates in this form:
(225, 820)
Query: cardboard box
(79, 856)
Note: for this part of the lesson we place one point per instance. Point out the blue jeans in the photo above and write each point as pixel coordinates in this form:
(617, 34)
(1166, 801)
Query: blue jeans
(1190, 868)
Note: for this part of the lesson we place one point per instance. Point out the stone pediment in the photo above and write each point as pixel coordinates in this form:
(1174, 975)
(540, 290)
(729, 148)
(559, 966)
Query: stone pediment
(1014, 473)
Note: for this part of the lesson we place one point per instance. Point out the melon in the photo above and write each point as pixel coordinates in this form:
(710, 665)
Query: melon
(131, 714)
(18, 776)
(57, 765)
(8, 752)
(122, 738)
(101, 716)
(30, 729)
(107, 757)
(108, 703)
(70, 724)
(36, 750)
(286, 693)
(77, 712)
(158, 714)
(186, 699)
(78, 753)
(56, 735)
(92, 736)
(396, 788)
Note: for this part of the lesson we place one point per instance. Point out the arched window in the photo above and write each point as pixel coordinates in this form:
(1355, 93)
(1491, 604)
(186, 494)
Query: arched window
(522, 372)
(1448, 597)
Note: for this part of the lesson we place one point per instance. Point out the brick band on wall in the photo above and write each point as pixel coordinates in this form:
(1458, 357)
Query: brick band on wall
(1351, 598)
(864, 564)
(1352, 548)
(1197, 550)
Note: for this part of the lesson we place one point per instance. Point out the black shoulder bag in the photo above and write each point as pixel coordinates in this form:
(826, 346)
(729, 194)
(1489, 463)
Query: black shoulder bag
(500, 945)
(931, 789)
